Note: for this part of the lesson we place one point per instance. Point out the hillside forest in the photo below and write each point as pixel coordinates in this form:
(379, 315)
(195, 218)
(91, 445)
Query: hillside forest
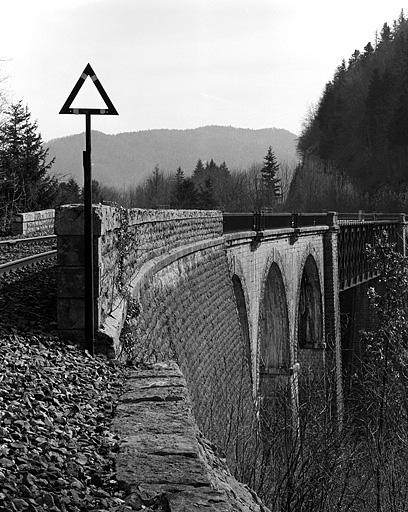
(354, 143)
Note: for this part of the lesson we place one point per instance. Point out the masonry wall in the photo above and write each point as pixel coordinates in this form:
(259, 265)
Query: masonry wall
(132, 237)
(187, 311)
(251, 262)
(33, 223)
(123, 241)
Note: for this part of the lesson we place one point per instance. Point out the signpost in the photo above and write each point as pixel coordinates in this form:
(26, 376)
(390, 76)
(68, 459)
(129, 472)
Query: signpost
(88, 226)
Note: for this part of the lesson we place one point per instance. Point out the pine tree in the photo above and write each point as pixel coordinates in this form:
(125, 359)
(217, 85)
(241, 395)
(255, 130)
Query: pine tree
(179, 176)
(177, 192)
(199, 169)
(206, 200)
(386, 34)
(25, 183)
(188, 195)
(271, 185)
(368, 50)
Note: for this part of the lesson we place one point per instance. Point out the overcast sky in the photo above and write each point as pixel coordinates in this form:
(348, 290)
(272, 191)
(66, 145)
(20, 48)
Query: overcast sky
(182, 63)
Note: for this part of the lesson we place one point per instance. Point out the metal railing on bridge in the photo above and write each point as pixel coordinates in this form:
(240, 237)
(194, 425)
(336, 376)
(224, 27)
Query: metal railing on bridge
(260, 221)
(354, 236)
(353, 218)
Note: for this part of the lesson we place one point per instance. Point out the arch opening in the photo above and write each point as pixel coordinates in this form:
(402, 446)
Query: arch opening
(310, 317)
(243, 319)
(274, 339)
(274, 362)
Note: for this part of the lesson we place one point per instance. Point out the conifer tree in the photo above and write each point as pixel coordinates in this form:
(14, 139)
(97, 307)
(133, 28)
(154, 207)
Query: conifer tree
(188, 197)
(24, 181)
(199, 169)
(386, 34)
(177, 192)
(270, 180)
(206, 198)
(155, 186)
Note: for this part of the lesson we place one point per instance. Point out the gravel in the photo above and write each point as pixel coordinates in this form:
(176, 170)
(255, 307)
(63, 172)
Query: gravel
(57, 452)
(10, 252)
(28, 301)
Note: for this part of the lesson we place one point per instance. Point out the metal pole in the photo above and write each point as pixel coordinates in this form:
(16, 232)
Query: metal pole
(88, 240)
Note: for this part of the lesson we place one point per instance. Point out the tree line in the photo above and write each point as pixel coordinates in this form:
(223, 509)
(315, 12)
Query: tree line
(210, 186)
(26, 183)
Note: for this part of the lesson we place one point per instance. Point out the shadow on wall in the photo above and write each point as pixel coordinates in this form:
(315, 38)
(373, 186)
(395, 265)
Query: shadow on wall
(243, 319)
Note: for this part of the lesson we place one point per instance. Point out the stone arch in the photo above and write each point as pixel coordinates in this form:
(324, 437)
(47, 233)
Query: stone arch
(243, 317)
(274, 345)
(310, 308)
(274, 359)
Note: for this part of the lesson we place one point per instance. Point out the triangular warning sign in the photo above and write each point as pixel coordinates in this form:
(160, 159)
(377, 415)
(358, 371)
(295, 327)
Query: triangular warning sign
(67, 109)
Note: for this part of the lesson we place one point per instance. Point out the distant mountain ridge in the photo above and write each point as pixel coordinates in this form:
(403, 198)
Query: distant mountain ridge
(128, 158)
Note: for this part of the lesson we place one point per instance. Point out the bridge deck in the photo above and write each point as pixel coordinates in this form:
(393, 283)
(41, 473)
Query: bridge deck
(355, 232)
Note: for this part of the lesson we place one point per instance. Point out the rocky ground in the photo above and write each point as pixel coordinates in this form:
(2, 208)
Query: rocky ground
(57, 452)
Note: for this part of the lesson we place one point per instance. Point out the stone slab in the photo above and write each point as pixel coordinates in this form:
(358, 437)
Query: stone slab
(135, 468)
(156, 418)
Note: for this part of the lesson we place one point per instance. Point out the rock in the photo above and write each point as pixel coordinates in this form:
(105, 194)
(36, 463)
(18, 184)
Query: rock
(20, 504)
(48, 499)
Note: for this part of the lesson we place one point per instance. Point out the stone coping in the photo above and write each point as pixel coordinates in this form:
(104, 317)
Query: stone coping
(70, 218)
(34, 216)
(164, 462)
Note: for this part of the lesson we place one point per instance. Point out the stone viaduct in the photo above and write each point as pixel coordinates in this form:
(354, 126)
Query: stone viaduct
(244, 303)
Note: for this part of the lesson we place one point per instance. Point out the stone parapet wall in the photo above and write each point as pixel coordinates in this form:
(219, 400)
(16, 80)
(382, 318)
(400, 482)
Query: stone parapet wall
(33, 223)
(164, 461)
(186, 310)
(123, 241)
(130, 238)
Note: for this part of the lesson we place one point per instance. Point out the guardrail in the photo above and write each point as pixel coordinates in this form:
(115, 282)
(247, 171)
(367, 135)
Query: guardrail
(259, 221)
